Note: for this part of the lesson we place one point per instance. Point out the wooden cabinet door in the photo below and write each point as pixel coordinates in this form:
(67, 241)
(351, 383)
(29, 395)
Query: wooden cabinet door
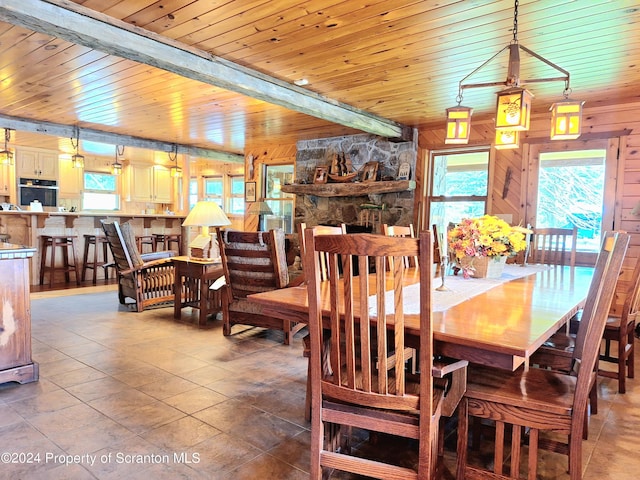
(162, 183)
(5, 180)
(70, 179)
(27, 164)
(141, 183)
(15, 336)
(48, 165)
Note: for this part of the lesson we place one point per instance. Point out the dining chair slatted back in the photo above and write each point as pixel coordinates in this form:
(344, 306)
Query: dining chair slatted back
(620, 328)
(401, 231)
(352, 388)
(253, 262)
(554, 246)
(319, 230)
(536, 400)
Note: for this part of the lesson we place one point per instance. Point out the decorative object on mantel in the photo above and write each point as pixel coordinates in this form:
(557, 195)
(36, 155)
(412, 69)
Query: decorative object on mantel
(369, 172)
(404, 172)
(320, 175)
(341, 169)
(205, 214)
(482, 245)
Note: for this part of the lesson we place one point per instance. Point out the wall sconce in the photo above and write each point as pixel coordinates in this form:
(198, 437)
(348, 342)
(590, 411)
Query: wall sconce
(77, 160)
(566, 120)
(507, 139)
(116, 167)
(6, 155)
(175, 171)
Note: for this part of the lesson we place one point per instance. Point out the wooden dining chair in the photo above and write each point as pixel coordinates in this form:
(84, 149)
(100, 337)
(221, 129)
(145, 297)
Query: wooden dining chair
(253, 262)
(556, 353)
(620, 328)
(552, 246)
(319, 230)
(539, 399)
(353, 388)
(401, 231)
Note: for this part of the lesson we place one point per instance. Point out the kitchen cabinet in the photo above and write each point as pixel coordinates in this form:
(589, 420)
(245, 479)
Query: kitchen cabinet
(98, 164)
(150, 184)
(6, 179)
(71, 179)
(37, 164)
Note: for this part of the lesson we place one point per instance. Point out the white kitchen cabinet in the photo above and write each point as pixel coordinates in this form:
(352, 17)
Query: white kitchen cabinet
(37, 164)
(150, 183)
(71, 179)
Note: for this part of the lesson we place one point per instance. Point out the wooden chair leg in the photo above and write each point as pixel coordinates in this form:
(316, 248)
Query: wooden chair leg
(463, 435)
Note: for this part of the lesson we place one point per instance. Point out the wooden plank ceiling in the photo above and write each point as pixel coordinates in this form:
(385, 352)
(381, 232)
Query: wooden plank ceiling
(399, 60)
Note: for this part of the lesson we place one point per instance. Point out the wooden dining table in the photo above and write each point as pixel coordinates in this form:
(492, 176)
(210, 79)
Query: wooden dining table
(499, 327)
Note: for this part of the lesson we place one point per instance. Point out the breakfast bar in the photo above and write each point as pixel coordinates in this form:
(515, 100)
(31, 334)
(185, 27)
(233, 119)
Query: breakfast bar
(25, 227)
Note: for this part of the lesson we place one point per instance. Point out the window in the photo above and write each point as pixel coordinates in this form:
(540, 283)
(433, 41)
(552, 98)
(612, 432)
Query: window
(100, 192)
(459, 185)
(193, 192)
(236, 197)
(281, 203)
(214, 190)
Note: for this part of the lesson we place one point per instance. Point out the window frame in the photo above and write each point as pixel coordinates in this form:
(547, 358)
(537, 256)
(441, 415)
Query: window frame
(115, 192)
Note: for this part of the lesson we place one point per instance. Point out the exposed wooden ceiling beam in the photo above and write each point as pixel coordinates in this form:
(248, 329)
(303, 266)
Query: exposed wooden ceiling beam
(82, 26)
(58, 130)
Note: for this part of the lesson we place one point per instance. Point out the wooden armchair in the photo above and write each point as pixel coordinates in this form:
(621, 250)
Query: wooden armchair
(253, 262)
(349, 387)
(543, 400)
(148, 279)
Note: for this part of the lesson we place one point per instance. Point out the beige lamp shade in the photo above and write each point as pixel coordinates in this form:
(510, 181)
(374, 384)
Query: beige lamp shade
(205, 214)
(259, 208)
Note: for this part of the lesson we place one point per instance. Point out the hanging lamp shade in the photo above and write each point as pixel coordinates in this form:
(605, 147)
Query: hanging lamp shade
(458, 125)
(176, 172)
(116, 168)
(566, 120)
(77, 161)
(513, 110)
(507, 139)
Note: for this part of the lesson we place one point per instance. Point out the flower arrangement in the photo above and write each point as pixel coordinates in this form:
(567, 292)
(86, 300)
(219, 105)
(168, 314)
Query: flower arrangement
(487, 236)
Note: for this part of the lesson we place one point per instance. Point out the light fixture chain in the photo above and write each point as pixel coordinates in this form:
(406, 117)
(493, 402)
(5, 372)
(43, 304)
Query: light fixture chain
(515, 22)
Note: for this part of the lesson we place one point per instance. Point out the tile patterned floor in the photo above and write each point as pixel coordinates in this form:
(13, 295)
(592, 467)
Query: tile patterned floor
(128, 395)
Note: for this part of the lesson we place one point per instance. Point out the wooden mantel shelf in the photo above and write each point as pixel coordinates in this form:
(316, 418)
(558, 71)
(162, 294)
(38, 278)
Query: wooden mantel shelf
(350, 189)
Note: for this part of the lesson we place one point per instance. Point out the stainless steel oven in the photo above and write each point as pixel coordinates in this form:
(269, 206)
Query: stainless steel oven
(31, 189)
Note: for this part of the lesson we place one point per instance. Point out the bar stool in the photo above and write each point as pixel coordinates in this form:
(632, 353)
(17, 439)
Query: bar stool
(142, 240)
(166, 239)
(64, 243)
(96, 241)
(4, 237)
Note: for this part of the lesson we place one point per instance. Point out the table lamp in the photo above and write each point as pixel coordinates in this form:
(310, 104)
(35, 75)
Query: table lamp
(259, 208)
(204, 214)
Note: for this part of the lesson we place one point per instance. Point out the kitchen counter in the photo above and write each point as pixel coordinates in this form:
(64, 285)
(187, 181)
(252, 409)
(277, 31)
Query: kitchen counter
(25, 227)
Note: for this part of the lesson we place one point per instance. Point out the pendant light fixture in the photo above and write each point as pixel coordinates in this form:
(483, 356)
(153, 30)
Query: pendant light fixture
(175, 171)
(77, 160)
(6, 155)
(116, 167)
(513, 110)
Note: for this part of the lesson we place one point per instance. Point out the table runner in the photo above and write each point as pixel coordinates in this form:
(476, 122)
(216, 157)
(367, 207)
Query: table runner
(460, 289)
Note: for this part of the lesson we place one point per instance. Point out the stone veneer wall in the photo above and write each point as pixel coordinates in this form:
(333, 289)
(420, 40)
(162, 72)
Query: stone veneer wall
(361, 149)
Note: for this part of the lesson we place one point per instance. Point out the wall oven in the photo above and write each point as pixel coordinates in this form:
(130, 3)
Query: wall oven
(31, 189)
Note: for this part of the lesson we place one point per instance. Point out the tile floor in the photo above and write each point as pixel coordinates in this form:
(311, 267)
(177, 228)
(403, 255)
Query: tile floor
(128, 395)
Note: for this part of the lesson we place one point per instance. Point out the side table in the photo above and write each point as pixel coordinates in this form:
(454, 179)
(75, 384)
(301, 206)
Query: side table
(193, 277)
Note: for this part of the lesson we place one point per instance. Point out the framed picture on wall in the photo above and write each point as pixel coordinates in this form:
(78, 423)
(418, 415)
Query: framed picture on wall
(320, 175)
(250, 192)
